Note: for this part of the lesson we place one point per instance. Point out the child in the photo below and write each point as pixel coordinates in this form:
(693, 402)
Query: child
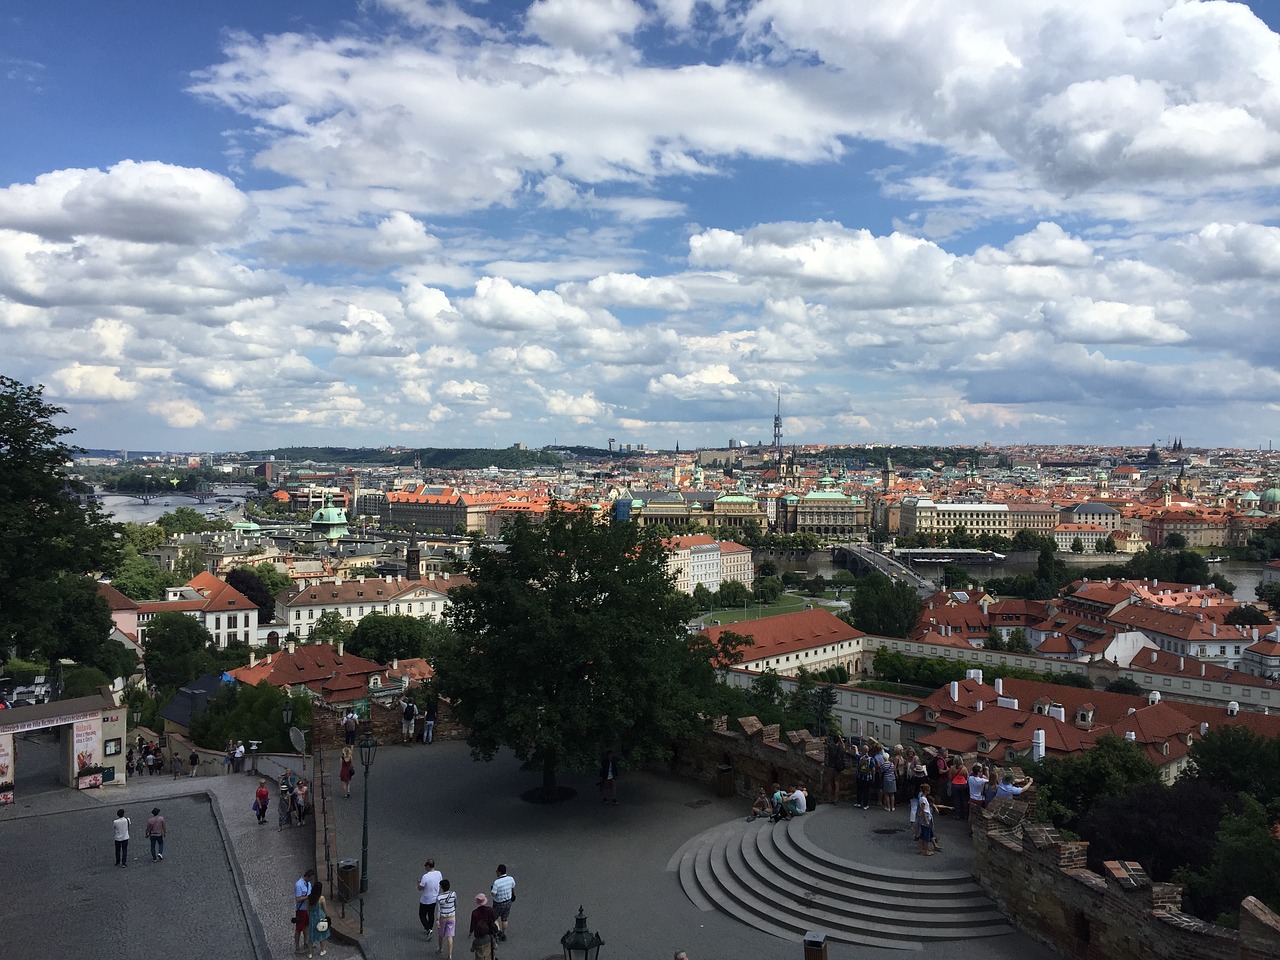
(760, 807)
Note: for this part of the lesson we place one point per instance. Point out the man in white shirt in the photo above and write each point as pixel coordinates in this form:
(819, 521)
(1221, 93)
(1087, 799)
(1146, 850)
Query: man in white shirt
(798, 802)
(504, 892)
(120, 826)
(239, 764)
(429, 889)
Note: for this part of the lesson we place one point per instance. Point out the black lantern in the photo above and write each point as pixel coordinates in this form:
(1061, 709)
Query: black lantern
(287, 711)
(580, 943)
(368, 751)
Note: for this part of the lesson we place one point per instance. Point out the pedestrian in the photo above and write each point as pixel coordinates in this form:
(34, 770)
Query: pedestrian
(301, 916)
(504, 894)
(317, 919)
(155, 831)
(349, 725)
(429, 894)
(284, 807)
(239, 757)
(833, 767)
(302, 801)
(924, 820)
(262, 801)
(346, 772)
(608, 783)
(888, 783)
(865, 772)
(121, 828)
(228, 757)
(446, 918)
(194, 762)
(408, 715)
(151, 762)
(175, 765)
(481, 929)
(429, 722)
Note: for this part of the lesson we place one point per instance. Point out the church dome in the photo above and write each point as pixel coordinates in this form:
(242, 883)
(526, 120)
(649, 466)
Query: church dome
(1272, 495)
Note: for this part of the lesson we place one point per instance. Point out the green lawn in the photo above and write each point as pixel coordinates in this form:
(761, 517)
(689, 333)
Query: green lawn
(787, 603)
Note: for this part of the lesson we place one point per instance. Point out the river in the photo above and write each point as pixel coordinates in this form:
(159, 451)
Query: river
(129, 510)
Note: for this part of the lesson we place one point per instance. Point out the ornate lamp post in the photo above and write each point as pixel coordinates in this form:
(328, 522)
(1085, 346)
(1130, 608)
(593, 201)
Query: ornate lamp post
(580, 943)
(287, 712)
(368, 751)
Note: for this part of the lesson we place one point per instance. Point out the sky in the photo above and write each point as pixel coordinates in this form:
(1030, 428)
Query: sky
(450, 223)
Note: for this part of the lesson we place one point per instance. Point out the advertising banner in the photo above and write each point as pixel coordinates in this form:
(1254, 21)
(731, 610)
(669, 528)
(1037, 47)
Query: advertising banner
(6, 768)
(86, 744)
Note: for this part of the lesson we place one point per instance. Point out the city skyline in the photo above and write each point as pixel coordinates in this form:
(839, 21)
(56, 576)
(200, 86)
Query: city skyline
(457, 224)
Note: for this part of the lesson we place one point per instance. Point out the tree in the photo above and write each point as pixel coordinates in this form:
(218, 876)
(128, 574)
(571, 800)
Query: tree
(238, 712)
(767, 568)
(703, 599)
(1246, 862)
(1247, 615)
(884, 607)
(1067, 788)
(48, 529)
(1269, 593)
(142, 536)
(332, 627)
(1125, 685)
(733, 593)
(572, 640)
(247, 581)
(77, 627)
(1239, 761)
(385, 637)
(177, 649)
(190, 564)
(1175, 541)
(842, 579)
(277, 581)
(766, 589)
(139, 578)
(1105, 545)
(1018, 641)
(182, 520)
(1077, 546)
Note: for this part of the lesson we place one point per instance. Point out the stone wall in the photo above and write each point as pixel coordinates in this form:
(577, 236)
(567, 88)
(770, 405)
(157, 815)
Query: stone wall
(755, 756)
(1041, 882)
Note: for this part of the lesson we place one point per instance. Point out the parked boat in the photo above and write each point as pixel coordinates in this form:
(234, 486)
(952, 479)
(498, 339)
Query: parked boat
(1215, 559)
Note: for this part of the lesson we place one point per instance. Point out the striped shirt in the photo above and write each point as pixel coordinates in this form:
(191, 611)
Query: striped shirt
(503, 887)
(447, 905)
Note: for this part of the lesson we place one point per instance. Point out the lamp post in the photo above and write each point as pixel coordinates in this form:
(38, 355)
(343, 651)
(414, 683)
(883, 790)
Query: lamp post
(368, 751)
(580, 943)
(287, 712)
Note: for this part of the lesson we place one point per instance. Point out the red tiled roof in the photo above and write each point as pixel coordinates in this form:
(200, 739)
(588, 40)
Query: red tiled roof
(788, 632)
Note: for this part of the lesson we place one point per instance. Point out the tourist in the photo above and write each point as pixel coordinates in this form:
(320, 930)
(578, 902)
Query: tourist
(959, 789)
(977, 787)
(155, 831)
(833, 766)
(429, 890)
(608, 782)
(924, 820)
(238, 766)
(284, 807)
(779, 800)
(346, 772)
(408, 715)
(504, 894)
(889, 782)
(120, 826)
(1009, 787)
(761, 807)
(797, 802)
(228, 757)
(301, 923)
(317, 919)
(262, 801)
(302, 801)
(175, 765)
(194, 762)
(446, 919)
(350, 724)
(429, 722)
(866, 775)
(482, 922)
(482, 942)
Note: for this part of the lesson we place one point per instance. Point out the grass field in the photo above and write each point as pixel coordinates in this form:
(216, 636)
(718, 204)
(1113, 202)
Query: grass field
(787, 603)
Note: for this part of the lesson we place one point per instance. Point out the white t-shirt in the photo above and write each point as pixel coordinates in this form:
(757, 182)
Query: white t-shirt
(502, 888)
(122, 827)
(801, 802)
(977, 788)
(430, 886)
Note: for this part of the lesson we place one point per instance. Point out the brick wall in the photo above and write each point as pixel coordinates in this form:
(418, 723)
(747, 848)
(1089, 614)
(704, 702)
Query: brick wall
(1040, 881)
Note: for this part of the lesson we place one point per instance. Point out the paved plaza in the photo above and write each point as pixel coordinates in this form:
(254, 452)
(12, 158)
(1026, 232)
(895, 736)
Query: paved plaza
(225, 884)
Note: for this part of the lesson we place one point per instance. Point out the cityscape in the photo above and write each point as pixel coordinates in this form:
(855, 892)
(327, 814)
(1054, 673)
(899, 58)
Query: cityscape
(631, 478)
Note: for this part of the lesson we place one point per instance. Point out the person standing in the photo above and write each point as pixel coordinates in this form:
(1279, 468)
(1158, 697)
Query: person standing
(866, 776)
(262, 801)
(446, 918)
(317, 919)
(350, 724)
(155, 832)
(284, 807)
(429, 894)
(482, 928)
(429, 722)
(346, 772)
(302, 800)
(120, 826)
(228, 757)
(609, 777)
(175, 764)
(194, 762)
(301, 916)
(924, 820)
(408, 715)
(504, 894)
(239, 757)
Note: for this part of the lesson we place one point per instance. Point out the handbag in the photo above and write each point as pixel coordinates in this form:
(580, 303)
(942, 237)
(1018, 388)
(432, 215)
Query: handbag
(322, 925)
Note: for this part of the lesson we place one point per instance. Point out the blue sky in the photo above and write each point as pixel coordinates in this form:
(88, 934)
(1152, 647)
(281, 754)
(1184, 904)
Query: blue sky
(237, 225)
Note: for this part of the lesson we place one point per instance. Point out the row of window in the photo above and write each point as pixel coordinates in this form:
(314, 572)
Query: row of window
(312, 613)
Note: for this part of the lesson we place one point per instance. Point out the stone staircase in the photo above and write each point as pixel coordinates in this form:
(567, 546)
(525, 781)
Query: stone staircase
(774, 878)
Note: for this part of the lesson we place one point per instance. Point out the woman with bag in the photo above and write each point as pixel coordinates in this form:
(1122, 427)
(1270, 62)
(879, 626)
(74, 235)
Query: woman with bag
(301, 799)
(317, 920)
(347, 771)
(262, 801)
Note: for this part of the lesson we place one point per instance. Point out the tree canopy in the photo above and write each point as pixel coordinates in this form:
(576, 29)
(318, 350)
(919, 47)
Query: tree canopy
(384, 637)
(1068, 788)
(49, 529)
(570, 640)
(177, 649)
(884, 607)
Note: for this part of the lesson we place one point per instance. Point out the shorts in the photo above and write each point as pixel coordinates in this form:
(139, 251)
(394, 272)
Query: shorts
(301, 920)
(406, 727)
(447, 926)
(926, 832)
(502, 909)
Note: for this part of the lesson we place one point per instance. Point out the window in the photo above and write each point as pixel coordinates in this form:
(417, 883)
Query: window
(297, 614)
(233, 621)
(348, 611)
(311, 614)
(217, 623)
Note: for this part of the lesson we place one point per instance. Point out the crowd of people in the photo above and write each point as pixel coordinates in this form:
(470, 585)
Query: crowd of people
(149, 757)
(490, 918)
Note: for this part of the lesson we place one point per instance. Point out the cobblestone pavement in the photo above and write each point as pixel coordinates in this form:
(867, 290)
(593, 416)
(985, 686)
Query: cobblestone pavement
(433, 801)
(225, 885)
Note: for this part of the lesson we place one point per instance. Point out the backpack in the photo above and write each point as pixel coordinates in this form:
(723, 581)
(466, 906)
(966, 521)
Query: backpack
(866, 768)
(410, 711)
(349, 723)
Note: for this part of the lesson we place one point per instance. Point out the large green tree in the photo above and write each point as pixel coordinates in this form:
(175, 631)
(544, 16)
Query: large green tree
(384, 637)
(572, 639)
(884, 607)
(141, 578)
(177, 648)
(48, 528)
(1067, 788)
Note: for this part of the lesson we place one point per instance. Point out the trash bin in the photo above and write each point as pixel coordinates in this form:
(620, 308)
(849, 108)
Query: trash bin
(724, 780)
(815, 946)
(348, 880)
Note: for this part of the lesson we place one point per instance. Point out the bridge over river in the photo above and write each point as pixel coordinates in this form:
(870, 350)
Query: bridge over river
(862, 556)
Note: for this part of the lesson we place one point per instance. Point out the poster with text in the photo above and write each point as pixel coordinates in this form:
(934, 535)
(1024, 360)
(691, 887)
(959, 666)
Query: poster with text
(86, 743)
(6, 768)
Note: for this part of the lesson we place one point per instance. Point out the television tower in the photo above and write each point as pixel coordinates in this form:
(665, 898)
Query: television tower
(777, 434)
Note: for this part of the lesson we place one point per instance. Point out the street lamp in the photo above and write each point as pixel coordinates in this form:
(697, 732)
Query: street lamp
(368, 750)
(287, 712)
(137, 714)
(580, 943)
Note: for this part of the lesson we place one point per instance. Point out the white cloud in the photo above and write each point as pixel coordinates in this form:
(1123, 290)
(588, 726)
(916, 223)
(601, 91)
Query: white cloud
(88, 382)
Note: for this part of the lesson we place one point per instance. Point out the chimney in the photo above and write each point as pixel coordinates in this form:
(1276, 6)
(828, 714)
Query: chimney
(395, 663)
(293, 647)
(984, 608)
(1204, 730)
(1180, 664)
(1131, 736)
(978, 706)
(1203, 667)
(1153, 698)
(341, 645)
(1037, 745)
(253, 658)
(1233, 708)
(1131, 711)
(974, 675)
(999, 686)
(1154, 655)
(955, 691)
(360, 579)
(1058, 712)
